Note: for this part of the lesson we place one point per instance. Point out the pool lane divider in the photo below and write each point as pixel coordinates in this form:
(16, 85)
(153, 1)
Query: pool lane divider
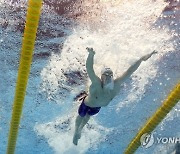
(28, 42)
(172, 99)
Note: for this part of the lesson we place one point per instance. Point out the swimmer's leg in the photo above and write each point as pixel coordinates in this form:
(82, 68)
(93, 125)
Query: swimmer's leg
(84, 122)
(77, 136)
(80, 123)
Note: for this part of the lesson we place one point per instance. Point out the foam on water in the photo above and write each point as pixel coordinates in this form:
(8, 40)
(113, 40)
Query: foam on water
(127, 34)
(59, 134)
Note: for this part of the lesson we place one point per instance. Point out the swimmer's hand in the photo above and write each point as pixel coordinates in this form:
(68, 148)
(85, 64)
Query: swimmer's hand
(91, 51)
(146, 57)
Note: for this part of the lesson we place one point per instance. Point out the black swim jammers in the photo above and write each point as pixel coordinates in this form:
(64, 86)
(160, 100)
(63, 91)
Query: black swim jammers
(84, 109)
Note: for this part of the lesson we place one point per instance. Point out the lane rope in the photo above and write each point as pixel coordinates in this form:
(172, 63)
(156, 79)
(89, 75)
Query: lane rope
(28, 41)
(157, 117)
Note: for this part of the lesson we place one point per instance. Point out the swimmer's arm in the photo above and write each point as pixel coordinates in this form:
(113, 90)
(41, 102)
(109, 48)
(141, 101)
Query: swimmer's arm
(89, 66)
(133, 68)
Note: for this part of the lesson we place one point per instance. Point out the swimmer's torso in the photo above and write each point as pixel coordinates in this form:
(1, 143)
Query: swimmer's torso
(99, 97)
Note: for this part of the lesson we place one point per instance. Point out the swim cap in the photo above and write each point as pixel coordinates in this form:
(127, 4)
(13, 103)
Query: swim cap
(106, 71)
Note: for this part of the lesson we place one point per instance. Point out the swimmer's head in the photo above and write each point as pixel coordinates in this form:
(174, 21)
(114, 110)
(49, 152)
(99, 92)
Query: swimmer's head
(107, 78)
